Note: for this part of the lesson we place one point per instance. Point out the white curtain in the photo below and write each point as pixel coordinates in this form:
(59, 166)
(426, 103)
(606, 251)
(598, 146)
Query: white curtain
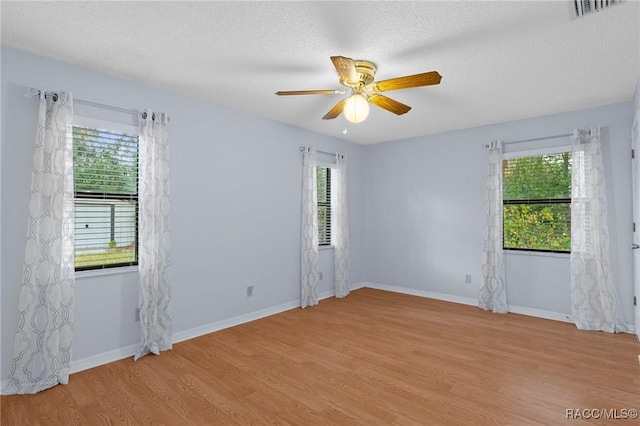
(493, 294)
(43, 341)
(594, 303)
(341, 228)
(153, 239)
(309, 230)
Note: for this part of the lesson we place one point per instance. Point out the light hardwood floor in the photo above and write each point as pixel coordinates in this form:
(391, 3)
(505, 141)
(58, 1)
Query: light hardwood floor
(373, 358)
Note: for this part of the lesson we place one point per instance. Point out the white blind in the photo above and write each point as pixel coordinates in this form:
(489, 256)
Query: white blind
(584, 7)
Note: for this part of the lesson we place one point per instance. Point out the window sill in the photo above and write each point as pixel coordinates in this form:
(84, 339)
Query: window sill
(326, 247)
(106, 271)
(536, 253)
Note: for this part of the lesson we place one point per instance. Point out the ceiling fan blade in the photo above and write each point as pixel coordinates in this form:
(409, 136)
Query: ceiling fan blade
(335, 111)
(346, 69)
(389, 104)
(409, 81)
(308, 92)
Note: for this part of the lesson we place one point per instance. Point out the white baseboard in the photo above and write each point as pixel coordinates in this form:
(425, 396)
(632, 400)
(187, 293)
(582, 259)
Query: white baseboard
(330, 293)
(522, 310)
(555, 316)
(201, 330)
(540, 313)
(422, 293)
(357, 286)
(102, 358)
(325, 295)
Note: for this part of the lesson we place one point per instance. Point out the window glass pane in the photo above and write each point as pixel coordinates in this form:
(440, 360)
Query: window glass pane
(324, 205)
(106, 258)
(539, 177)
(105, 162)
(106, 192)
(322, 226)
(322, 184)
(538, 226)
(105, 232)
(537, 202)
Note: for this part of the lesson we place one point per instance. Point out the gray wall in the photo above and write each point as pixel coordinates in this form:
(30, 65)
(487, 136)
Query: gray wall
(235, 194)
(424, 207)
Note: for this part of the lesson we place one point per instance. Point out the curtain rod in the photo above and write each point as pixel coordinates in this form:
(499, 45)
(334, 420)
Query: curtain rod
(36, 92)
(302, 148)
(564, 135)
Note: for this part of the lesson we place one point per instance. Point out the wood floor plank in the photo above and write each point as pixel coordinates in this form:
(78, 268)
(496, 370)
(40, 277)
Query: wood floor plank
(373, 358)
(19, 412)
(110, 401)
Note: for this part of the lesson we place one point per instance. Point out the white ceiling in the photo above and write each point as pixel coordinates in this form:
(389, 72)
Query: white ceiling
(500, 61)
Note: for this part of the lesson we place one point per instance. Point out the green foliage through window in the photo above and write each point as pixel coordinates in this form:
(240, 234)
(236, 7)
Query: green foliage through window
(104, 162)
(537, 202)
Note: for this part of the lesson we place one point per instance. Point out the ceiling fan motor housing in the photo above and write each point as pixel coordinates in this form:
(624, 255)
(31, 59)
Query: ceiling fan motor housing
(366, 71)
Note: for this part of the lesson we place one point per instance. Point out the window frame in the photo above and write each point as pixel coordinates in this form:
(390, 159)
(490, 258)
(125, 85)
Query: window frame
(80, 196)
(328, 205)
(534, 153)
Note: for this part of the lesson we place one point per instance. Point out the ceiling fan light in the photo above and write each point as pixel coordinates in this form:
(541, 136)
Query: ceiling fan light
(356, 109)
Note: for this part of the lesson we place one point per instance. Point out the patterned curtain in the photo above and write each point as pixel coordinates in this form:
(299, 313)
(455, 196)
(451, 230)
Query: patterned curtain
(309, 230)
(43, 342)
(153, 239)
(594, 303)
(341, 235)
(493, 294)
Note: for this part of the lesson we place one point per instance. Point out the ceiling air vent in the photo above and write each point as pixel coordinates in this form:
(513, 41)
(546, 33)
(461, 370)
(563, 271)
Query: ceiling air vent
(580, 8)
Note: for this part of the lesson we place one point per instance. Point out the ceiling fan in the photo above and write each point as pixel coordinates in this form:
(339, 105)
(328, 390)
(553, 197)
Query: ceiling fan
(358, 76)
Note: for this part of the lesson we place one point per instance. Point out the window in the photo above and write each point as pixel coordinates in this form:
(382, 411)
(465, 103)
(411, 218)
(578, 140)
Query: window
(324, 205)
(537, 203)
(105, 166)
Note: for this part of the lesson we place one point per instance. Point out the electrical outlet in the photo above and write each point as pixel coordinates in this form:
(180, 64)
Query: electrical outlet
(137, 314)
(320, 276)
(250, 291)
(467, 278)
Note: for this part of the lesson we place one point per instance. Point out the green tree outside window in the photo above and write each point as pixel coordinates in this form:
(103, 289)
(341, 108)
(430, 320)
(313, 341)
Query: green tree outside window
(537, 202)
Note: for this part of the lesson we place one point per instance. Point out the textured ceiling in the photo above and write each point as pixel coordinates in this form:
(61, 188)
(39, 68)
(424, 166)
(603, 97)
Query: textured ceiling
(500, 61)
